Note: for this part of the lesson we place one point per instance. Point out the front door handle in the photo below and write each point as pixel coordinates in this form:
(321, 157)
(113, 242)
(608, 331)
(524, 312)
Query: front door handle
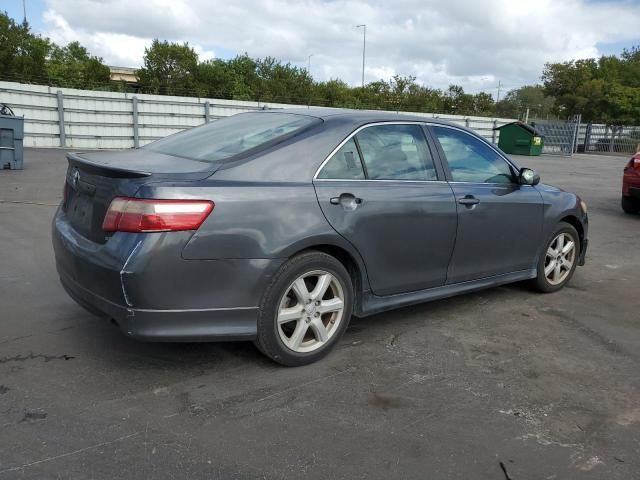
(348, 201)
(468, 201)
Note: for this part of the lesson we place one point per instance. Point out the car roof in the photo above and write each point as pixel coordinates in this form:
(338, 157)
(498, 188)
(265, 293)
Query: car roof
(360, 116)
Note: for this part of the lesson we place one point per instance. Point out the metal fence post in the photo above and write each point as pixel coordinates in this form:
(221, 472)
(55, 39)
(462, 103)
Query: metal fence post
(136, 136)
(494, 133)
(207, 112)
(587, 137)
(577, 135)
(613, 135)
(63, 136)
(574, 135)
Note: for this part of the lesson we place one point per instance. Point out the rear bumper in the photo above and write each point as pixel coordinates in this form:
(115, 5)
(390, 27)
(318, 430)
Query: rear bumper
(633, 192)
(142, 282)
(630, 183)
(214, 324)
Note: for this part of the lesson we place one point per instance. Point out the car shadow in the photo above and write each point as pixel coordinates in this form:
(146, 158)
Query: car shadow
(109, 346)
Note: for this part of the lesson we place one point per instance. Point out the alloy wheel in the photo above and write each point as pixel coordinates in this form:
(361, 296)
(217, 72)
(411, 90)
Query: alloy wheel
(560, 257)
(310, 311)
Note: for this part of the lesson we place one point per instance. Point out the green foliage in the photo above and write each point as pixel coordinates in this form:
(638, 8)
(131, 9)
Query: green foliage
(26, 57)
(73, 67)
(22, 55)
(516, 102)
(169, 68)
(602, 90)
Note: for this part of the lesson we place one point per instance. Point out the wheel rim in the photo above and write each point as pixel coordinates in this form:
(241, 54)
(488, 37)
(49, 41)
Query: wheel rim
(311, 311)
(560, 257)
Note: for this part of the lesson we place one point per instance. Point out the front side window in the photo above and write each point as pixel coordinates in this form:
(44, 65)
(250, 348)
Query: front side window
(215, 141)
(470, 160)
(396, 152)
(345, 164)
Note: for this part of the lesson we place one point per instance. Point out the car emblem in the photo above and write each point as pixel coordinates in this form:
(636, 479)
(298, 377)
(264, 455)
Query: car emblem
(75, 178)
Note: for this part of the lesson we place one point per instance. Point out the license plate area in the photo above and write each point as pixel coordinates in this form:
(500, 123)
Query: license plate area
(80, 212)
(80, 206)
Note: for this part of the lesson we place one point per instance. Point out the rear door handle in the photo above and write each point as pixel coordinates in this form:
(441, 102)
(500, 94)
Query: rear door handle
(468, 200)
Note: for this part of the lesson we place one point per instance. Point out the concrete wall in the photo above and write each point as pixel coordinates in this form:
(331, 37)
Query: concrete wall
(80, 119)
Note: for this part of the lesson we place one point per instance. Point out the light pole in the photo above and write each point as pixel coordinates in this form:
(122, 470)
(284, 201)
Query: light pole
(309, 63)
(364, 46)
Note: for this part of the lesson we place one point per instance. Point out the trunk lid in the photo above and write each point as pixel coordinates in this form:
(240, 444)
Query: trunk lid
(94, 179)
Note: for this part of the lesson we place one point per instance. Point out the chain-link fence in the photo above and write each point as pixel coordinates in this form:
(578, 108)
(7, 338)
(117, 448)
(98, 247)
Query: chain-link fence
(599, 138)
(559, 137)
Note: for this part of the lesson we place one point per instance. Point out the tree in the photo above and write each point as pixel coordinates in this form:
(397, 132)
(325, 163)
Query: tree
(605, 89)
(72, 66)
(483, 104)
(169, 69)
(215, 79)
(282, 82)
(334, 93)
(516, 102)
(457, 102)
(23, 54)
(245, 78)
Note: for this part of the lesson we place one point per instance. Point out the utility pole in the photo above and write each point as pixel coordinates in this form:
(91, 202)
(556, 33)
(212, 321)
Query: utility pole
(24, 10)
(309, 64)
(499, 87)
(526, 116)
(364, 46)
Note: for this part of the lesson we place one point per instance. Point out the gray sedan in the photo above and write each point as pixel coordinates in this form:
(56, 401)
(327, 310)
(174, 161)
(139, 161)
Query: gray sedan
(278, 226)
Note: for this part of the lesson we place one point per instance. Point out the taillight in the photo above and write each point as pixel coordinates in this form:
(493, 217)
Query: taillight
(151, 215)
(634, 163)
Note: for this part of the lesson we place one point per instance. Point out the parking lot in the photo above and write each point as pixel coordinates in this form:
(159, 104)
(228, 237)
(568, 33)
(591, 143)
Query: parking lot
(500, 384)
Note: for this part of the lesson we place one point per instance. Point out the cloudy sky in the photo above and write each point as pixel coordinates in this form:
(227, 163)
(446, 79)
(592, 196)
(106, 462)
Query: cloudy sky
(473, 43)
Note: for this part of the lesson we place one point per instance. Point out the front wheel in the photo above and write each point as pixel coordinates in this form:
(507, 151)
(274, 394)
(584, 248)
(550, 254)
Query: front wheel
(305, 310)
(559, 259)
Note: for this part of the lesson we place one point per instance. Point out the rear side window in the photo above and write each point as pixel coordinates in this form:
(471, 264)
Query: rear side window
(396, 152)
(215, 141)
(345, 164)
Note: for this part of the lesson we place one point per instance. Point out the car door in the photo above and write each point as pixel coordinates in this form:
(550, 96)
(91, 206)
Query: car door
(381, 190)
(499, 220)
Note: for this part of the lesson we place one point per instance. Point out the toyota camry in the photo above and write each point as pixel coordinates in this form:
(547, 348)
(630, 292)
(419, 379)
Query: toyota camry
(278, 226)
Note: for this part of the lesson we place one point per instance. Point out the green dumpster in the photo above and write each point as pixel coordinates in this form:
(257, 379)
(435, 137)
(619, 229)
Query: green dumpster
(518, 138)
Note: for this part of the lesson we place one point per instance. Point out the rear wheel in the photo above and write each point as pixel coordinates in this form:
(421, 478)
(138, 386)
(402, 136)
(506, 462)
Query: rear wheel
(630, 204)
(559, 259)
(305, 310)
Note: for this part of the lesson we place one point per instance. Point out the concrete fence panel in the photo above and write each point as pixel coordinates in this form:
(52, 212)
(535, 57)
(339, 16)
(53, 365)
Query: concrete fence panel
(85, 119)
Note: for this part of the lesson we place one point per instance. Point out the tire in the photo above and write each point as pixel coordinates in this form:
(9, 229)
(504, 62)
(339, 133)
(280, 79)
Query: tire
(296, 327)
(630, 204)
(547, 279)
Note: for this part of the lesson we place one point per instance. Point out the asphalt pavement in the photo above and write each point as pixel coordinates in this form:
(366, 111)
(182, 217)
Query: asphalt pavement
(500, 384)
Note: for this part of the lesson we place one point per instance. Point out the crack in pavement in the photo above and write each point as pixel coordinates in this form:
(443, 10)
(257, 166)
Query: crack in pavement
(68, 454)
(33, 356)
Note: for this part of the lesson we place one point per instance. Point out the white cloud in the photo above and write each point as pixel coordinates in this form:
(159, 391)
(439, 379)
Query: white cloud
(472, 43)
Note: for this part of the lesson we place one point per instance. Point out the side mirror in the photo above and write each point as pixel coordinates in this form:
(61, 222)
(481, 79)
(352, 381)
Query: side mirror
(528, 177)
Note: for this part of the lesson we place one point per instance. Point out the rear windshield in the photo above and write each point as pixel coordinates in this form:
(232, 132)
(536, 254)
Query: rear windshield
(230, 136)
